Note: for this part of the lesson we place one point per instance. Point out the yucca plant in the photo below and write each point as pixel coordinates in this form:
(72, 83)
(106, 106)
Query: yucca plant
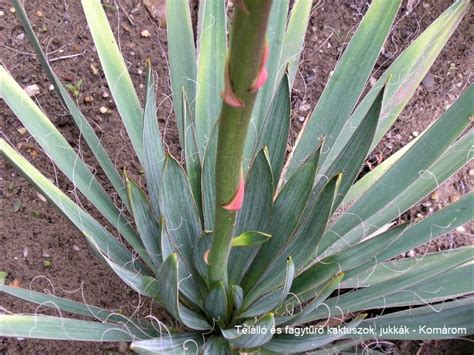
(250, 250)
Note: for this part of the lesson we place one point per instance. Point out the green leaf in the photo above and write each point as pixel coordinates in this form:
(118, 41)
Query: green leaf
(407, 72)
(142, 284)
(147, 225)
(294, 38)
(346, 83)
(154, 158)
(439, 288)
(272, 299)
(348, 259)
(237, 296)
(63, 155)
(200, 252)
(276, 127)
(82, 309)
(116, 72)
(168, 279)
(458, 154)
(275, 34)
(427, 323)
(428, 229)
(241, 339)
(190, 283)
(182, 58)
(351, 158)
(303, 244)
(415, 276)
(54, 328)
(172, 343)
(208, 181)
(83, 125)
(250, 239)
(215, 303)
(395, 191)
(254, 213)
(95, 233)
(178, 209)
(212, 46)
(287, 209)
(3, 276)
(216, 345)
(191, 156)
(318, 299)
(299, 343)
(393, 268)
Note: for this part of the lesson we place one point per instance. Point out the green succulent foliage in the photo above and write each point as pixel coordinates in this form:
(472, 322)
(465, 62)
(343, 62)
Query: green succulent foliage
(307, 229)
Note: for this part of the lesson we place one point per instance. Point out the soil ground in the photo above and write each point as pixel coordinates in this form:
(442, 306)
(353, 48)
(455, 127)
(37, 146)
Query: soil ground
(41, 250)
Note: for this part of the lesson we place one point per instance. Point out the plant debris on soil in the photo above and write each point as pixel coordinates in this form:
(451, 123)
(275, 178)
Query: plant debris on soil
(41, 250)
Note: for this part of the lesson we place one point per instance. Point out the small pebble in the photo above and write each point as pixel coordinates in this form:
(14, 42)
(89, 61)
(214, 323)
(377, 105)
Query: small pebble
(428, 81)
(41, 197)
(68, 77)
(435, 196)
(12, 10)
(145, 33)
(45, 254)
(20, 37)
(411, 253)
(123, 347)
(75, 247)
(454, 198)
(105, 95)
(305, 107)
(372, 81)
(88, 99)
(51, 87)
(2, 13)
(415, 133)
(32, 90)
(25, 252)
(21, 130)
(125, 27)
(460, 229)
(471, 172)
(103, 110)
(140, 71)
(39, 13)
(94, 70)
(301, 118)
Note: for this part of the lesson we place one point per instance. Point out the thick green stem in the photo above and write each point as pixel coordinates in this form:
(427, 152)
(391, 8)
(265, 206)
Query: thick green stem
(244, 64)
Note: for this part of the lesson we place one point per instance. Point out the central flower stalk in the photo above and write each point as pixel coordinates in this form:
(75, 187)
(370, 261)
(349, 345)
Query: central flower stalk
(245, 74)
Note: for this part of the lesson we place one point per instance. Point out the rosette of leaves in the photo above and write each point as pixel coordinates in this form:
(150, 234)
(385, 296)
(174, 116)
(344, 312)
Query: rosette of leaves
(309, 242)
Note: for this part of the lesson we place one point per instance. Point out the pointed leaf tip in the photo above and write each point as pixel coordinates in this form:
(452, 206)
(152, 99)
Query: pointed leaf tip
(228, 94)
(236, 203)
(262, 75)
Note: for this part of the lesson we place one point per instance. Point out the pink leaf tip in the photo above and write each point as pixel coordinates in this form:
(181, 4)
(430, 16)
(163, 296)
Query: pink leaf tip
(236, 203)
(262, 75)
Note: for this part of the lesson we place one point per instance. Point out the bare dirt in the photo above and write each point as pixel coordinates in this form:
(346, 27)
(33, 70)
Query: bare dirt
(41, 250)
